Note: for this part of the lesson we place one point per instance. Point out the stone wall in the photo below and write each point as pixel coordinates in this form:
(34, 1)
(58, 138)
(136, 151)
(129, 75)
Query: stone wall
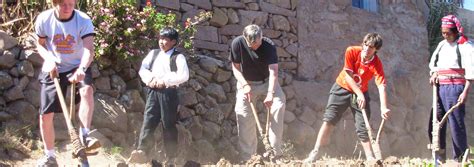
(311, 36)
(326, 28)
(207, 125)
(276, 17)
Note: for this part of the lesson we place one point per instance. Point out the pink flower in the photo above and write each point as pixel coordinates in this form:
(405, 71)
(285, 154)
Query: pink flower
(148, 3)
(186, 24)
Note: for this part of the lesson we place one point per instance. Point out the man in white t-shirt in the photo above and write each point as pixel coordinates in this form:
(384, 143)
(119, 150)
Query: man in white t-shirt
(65, 42)
(451, 69)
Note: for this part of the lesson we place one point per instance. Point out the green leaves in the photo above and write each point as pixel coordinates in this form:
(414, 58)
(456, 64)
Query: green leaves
(126, 33)
(437, 11)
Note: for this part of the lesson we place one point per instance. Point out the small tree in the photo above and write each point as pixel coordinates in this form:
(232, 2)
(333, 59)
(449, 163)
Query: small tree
(126, 33)
(438, 9)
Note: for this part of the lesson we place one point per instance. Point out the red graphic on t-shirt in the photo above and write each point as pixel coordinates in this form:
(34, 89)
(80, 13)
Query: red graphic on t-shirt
(361, 72)
(357, 79)
(64, 44)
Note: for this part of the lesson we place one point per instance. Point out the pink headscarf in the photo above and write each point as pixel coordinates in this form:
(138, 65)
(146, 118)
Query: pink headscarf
(451, 21)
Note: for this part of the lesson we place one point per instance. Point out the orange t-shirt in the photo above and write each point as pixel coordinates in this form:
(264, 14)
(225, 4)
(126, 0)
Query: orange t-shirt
(362, 72)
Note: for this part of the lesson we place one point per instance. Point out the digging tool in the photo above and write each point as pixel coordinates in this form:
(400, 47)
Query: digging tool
(436, 125)
(434, 146)
(380, 131)
(266, 141)
(72, 107)
(269, 152)
(373, 141)
(254, 111)
(376, 145)
(79, 151)
(464, 157)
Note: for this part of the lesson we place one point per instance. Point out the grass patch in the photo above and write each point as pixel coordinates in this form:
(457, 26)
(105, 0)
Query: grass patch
(18, 138)
(288, 150)
(16, 142)
(115, 150)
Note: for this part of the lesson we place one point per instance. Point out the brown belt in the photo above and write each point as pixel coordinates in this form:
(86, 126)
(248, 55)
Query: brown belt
(258, 82)
(163, 88)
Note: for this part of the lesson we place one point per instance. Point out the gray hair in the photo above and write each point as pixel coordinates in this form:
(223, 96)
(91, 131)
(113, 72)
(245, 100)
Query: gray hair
(252, 32)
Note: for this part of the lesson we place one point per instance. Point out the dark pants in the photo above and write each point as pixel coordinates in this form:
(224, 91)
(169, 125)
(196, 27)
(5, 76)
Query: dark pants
(447, 97)
(49, 101)
(339, 100)
(161, 105)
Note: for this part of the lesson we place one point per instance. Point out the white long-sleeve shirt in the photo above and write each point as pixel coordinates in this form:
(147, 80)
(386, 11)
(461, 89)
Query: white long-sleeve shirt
(447, 58)
(161, 68)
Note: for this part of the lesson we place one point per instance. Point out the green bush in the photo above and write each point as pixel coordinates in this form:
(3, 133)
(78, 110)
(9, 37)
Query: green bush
(437, 11)
(125, 33)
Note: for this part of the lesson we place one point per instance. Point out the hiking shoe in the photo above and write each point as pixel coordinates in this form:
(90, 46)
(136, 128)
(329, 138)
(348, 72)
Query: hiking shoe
(137, 156)
(441, 156)
(91, 144)
(311, 157)
(47, 161)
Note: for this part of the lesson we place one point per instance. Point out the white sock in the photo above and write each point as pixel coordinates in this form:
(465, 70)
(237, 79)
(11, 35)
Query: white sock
(85, 131)
(50, 153)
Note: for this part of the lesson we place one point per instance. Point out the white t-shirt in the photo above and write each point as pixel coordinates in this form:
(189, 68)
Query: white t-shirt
(448, 59)
(64, 37)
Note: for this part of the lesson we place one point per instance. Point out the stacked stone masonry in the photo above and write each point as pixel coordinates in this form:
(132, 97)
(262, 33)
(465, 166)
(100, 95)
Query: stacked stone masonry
(311, 36)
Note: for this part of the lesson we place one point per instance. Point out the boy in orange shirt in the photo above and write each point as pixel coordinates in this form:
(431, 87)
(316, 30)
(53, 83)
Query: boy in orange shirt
(350, 90)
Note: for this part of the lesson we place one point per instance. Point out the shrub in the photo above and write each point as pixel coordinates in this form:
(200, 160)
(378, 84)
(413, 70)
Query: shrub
(17, 19)
(437, 11)
(125, 33)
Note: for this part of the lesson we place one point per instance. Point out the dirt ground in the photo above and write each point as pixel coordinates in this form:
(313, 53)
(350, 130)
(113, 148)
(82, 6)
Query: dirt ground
(104, 158)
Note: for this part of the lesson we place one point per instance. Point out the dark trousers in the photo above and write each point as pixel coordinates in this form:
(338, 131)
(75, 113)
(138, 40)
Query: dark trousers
(447, 97)
(339, 100)
(161, 105)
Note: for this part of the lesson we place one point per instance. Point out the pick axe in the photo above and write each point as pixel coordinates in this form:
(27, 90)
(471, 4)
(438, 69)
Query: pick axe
(79, 150)
(269, 152)
(437, 125)
(72, 106)
(375, 142)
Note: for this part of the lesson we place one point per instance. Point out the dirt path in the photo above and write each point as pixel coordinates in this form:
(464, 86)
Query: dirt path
(64, 158)
(105, 158)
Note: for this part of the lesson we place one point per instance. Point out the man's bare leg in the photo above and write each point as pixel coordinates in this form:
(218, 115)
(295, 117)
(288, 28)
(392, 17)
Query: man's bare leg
(368, 150)
(86, 107)
(322, 139)
(47, 131)
(86, 110)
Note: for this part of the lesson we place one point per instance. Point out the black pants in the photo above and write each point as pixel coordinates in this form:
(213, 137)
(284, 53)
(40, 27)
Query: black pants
(339, 100)
(161, 105)
(48, 94)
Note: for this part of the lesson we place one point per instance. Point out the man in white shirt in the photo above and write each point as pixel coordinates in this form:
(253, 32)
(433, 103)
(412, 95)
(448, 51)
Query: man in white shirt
(66, 44)
(162, 70)
(451, 70)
